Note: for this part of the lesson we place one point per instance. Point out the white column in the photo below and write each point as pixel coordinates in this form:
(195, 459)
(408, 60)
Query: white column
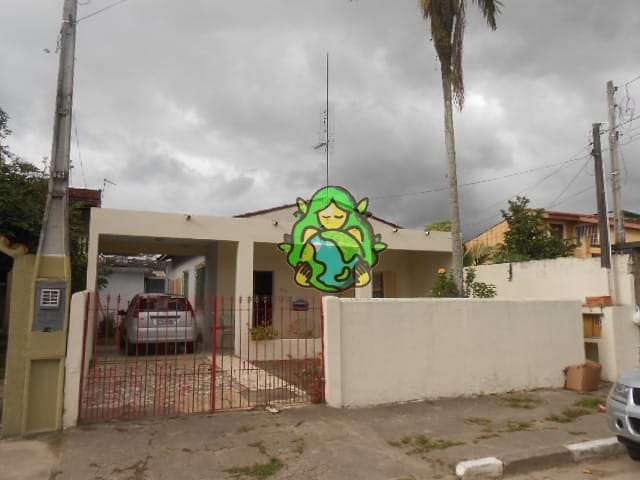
(243, 290)
(366, 291)
(210, 291)
(332, 351)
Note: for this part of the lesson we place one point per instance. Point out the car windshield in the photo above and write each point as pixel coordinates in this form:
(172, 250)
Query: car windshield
(159, 304)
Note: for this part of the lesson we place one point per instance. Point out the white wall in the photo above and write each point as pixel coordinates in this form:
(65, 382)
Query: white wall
(389, 350)
(619, 345)
(124, 282)
(189, 264)
(560, 278)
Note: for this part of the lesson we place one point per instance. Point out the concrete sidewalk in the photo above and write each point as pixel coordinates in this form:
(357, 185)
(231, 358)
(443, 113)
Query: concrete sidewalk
(411, 441)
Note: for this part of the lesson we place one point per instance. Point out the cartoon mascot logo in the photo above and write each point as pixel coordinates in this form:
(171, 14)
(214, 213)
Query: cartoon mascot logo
(332, 246)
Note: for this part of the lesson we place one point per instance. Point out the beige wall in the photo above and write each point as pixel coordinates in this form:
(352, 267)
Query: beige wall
(619, 344)
(390, 350)
(560, 278)
(575, 279)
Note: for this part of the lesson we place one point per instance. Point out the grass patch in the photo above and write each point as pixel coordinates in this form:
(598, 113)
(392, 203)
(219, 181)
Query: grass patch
(257, 470)
(260, 446)
(568, 415)
(558, 418)
(246, 428)
(590, 403)
(518, 426)
(519, 401)
(485, 436)
(421, 444)
(481, 421)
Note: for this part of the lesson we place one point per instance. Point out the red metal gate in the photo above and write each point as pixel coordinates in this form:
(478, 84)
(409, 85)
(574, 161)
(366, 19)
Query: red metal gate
(156, 356)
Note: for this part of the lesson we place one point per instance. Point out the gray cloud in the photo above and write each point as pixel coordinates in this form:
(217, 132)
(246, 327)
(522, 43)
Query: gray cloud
(214, 107)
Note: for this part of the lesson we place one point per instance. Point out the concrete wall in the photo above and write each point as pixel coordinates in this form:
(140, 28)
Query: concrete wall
(125, 282)
(619, 345)
(577, 278)
(389, 350)
(560, 278)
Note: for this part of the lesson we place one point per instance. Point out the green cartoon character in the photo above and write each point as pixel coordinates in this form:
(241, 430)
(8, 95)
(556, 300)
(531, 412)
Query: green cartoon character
(332, 246)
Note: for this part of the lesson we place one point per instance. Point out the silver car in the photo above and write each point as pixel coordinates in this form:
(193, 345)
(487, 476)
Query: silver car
(163, 320)
(623, 411)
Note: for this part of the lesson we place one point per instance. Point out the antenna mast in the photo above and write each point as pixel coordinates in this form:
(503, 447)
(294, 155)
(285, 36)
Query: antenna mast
(327, 123)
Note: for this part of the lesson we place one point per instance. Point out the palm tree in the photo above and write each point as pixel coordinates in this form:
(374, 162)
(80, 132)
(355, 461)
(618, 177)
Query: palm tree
(447, 21)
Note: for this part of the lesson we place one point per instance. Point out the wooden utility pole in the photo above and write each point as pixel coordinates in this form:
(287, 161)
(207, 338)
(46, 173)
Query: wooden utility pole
(603, 220)
(618, 216)
(54, 236)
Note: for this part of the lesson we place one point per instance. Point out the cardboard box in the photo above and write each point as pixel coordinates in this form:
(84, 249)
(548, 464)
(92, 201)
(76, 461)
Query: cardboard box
(583, 378)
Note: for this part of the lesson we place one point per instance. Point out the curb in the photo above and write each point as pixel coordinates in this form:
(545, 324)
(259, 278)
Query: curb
(492, 467)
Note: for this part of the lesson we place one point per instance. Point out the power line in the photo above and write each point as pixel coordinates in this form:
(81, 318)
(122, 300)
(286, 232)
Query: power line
(92, 14)
(564, 190)
(75, 131)
(575, 195)
(634, 79)
(478, 182)
(501, 201)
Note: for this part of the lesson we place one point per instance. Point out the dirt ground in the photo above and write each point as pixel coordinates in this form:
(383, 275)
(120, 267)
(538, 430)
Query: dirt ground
(421, 440)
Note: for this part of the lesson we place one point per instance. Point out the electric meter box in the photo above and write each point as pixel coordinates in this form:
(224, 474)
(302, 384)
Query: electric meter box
(50, 306)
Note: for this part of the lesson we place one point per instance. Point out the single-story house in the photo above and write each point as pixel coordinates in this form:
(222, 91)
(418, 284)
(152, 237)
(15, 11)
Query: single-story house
(237, 258)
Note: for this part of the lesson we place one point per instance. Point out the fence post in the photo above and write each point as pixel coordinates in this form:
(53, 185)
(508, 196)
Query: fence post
(214, 349)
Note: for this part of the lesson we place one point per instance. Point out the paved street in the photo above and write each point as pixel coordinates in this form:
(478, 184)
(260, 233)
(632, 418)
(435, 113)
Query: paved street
(418, 441)
(619, 468)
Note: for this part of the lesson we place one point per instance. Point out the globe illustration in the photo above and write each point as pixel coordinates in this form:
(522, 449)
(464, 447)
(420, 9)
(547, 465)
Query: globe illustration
(335, 256)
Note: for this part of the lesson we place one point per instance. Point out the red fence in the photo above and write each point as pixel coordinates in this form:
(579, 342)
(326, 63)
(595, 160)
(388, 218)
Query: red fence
(156, 355)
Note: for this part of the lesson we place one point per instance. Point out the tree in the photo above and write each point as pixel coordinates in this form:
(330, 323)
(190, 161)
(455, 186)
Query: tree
(23, 194)
(4, 133)
(529, 236)
(478, 254)
(447, 21)
(445, 287)
(439, 226)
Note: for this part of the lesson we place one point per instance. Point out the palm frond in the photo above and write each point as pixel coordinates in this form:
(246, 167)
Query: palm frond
(490, 10)
(457, 77)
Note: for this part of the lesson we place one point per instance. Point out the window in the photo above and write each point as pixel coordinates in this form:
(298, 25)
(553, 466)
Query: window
(378, 285)
(556, 230)
(50, 298)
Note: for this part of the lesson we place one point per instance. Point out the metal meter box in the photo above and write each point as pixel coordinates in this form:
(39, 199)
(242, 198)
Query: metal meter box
(50, 306)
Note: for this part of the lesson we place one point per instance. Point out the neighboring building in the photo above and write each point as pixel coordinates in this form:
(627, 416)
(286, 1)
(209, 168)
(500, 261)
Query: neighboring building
(128, 276)
(581, 227)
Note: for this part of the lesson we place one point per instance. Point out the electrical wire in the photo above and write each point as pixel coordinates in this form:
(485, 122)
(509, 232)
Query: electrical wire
(503, 200)
(635, 79)
(566, 187)
(92, 14)
(75, 131)
(478, 182)
(592, 187)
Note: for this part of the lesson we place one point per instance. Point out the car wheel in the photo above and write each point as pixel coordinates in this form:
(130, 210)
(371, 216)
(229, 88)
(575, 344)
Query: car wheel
(634, 453)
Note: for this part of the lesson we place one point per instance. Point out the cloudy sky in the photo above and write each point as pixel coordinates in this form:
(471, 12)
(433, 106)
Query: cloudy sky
(214, 107)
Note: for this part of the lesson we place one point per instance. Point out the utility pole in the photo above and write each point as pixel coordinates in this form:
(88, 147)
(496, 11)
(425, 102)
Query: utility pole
(618, 216)
(54, 236)
(603, 220)
(38, 333)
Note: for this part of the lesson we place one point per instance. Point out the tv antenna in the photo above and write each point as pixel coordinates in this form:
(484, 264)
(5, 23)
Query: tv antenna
(326, 142)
